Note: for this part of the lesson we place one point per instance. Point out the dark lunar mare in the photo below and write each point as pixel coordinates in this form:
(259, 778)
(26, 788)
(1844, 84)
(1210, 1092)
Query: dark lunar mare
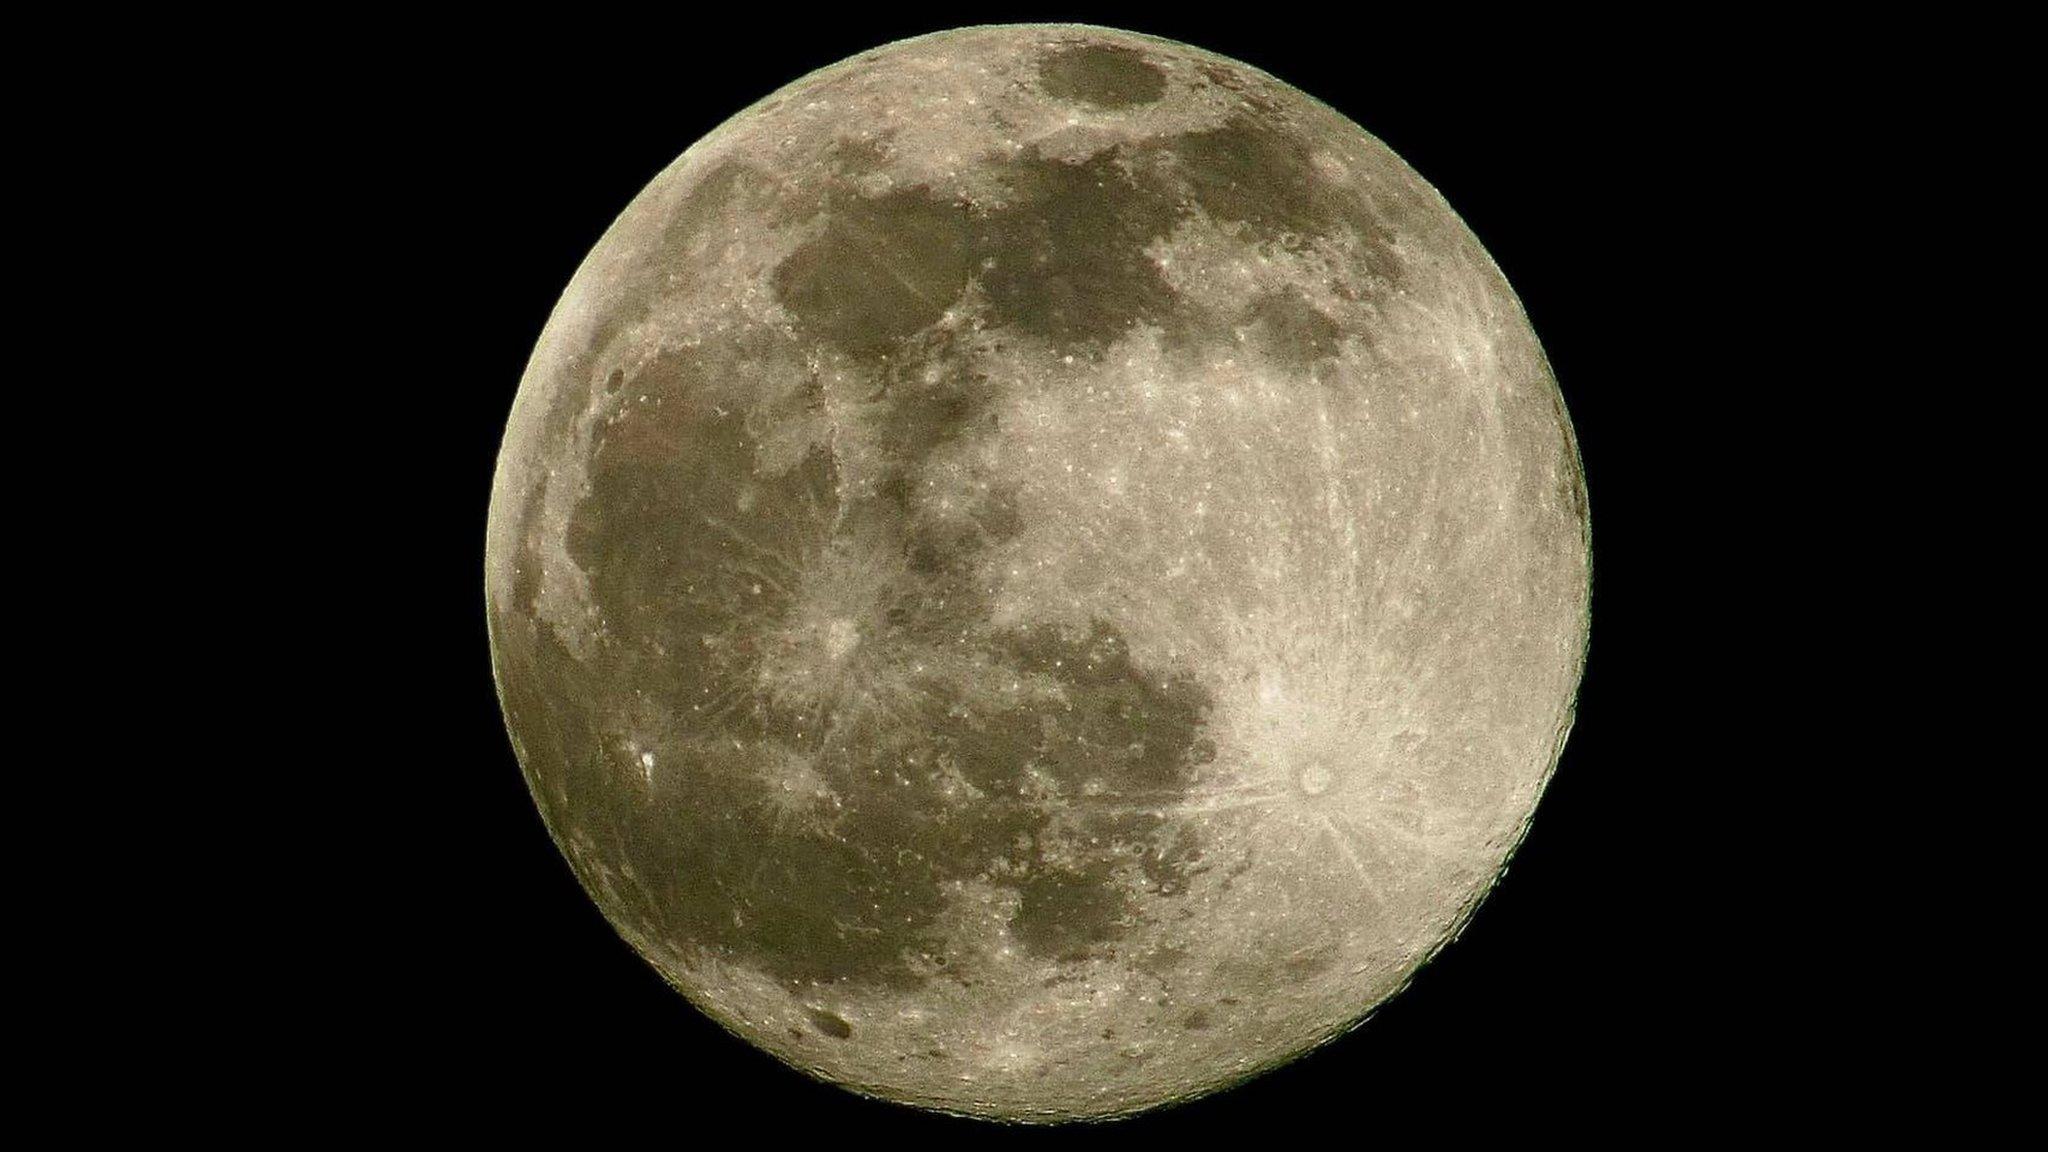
(1102, 75)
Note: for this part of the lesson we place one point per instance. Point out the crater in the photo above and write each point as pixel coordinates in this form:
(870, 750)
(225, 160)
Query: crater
(830, 1023)
(840, 637)
(1314, 780)
(1104, 75)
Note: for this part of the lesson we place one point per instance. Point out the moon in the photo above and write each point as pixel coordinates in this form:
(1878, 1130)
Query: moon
(1038, 572)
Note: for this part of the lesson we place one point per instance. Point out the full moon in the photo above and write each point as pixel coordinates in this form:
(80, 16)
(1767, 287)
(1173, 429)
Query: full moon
(1038, 572)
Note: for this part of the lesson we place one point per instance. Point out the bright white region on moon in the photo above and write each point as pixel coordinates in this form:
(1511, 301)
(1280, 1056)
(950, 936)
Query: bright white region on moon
(1038, 572)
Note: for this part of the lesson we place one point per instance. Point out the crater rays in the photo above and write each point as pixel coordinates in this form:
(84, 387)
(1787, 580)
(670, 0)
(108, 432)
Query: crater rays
(1342, 842)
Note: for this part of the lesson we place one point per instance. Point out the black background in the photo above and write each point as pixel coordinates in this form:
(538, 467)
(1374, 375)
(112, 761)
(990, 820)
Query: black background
(1606, 168)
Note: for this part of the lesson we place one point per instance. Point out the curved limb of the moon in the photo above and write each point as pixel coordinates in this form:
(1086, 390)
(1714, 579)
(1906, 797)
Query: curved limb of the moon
(1037, 572)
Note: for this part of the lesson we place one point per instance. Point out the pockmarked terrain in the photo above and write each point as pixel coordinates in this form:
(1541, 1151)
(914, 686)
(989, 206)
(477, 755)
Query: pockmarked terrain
(1038, 572)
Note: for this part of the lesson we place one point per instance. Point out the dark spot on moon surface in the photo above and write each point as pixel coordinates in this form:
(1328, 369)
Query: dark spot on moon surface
(830, 1024)
(1260, 175)
(880, 270)
(1294, 331)
(1251, 173)
(1104, 75)
(1063, 914)
(1066, 260)
(1125, 725)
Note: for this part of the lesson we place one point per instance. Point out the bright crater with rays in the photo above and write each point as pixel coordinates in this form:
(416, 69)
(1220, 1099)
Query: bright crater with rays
(1038, 572)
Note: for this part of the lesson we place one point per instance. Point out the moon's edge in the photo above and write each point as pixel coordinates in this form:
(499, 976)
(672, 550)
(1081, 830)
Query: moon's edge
(492, 540)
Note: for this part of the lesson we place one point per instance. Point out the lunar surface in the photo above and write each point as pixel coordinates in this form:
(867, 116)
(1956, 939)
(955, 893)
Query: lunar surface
(1038, 572)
